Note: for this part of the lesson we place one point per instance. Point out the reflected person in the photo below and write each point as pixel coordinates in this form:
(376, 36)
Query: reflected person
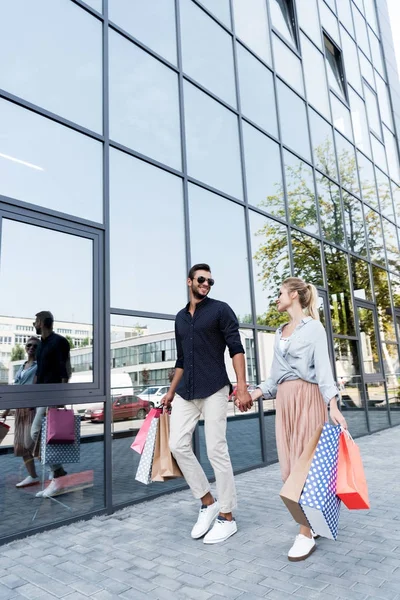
(23, 443)
(301, 379)
(53, 366)
(203, 330)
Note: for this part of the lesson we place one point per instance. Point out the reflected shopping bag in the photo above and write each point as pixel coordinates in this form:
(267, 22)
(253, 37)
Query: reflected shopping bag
(351, 485)
(143, 473)
(293, 486)
(4, 429)
(60, 426)
(52, 454)
(319, 501)
(140, 439)
(164, 464)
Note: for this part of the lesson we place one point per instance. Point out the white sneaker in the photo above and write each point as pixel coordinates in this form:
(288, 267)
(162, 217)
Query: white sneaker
(27, 481)
(207, 515)
(222, 530)
(52, 489)
(302, 548)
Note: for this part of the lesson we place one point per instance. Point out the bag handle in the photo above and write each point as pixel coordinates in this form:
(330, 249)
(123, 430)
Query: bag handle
(347, 434)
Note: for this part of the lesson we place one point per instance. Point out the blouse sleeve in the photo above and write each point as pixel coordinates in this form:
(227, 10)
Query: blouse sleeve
(323, 369)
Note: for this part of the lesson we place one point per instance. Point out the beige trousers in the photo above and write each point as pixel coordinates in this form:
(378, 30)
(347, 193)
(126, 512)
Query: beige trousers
(184, 418)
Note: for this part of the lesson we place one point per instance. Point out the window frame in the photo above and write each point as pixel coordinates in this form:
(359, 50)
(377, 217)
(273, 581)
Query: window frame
(338, 61)
(291, 20)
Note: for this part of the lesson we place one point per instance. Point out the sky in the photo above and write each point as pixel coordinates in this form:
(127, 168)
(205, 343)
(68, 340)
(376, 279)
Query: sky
(394, 13)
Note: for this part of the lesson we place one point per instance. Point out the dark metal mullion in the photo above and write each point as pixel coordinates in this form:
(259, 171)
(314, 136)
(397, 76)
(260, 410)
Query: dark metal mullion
(263, 441)
(361, 362)
(108, 449)
(88, 9)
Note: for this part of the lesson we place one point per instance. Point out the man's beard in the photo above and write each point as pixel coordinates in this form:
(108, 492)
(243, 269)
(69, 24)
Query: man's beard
(38, 330)
(199, 296)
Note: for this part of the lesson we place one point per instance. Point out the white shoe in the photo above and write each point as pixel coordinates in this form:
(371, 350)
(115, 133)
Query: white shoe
(207, 515)
(302, 548)
(27, 481)
(222, 530)
(52, 489)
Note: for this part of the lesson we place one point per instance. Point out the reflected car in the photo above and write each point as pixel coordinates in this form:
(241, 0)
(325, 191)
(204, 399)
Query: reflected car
(154, 394)
(123, 409)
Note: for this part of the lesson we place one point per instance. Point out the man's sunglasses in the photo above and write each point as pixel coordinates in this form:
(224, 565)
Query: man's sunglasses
(201, 280)
(31, 345)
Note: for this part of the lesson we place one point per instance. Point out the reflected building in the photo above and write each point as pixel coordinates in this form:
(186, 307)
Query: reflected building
(260, 137)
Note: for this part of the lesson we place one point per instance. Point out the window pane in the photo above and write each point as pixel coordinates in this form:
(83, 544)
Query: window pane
(257, 91)
(370, 14)
(385, 197)
(367, 70)
(341, 117)
(152, 22)
(300, 192)
(360, 124)
(270, 266)
(322, 144)
(307, 13)
(354, 222)
(293, 118)
(334, 68)
(137, 192)
(367, 180)
(62, 73)
(378, 153)
(392, 245)
(369, 345)
(395, 286)
(347, 164)
(263, 172)
(251, 23)
(329, 22)
(383, 97)
(350, 57)
(144, 106)
(342, 313)
(208, 248)
(306, 258)
(282, 19)
(207, 52)
(376, 52)
(361, 279)
(70, 303)
(372, 110)
(212, 142)
(315, 77)
(37, 157)
(220, 8)
(361, 31)
(96, 4)
(392, 153)
(330, 210)
(351, 388)
(344, 14)
(375, 236)
(288, 65)
(396, 202)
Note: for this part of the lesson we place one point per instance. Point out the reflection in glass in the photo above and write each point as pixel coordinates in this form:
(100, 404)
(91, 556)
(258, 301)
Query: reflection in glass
(354, 223)
(378, 153)
(360, 124)
(337, 274)
(330, 210)
(300, 192)
(361, 279)
(220, 8)
(22, 297)
(251, 24)
(372, 110)
(392, 245)
(212, 142)
(384, 103)
(293, 119)
(396, 202)
(257, 93)
(266, 341)
(367, 180)
(315, 77)
(307, 14)
(341, 117)
(375, 236)
(282, 19)
(263, 171)
(144, 106)
(392, 154)
(385, 197)
(369, 346)
(207, 52)
(361, 31)
(306, 258)
(350, 57)
(384, 309)
(287, 64)
(152, 22)
(137, 190)
(231, 277)
(347, 164)
(271, 266)
(37, 157)
(377, 405)
(322, 144)
(367, 70)
(62, 73)
(350, 384)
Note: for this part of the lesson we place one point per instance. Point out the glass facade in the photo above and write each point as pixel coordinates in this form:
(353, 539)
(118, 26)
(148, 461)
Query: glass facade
(141, 137)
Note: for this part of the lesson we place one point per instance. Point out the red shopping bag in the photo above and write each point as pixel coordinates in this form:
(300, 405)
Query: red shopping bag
(351, 485)
(140, 439)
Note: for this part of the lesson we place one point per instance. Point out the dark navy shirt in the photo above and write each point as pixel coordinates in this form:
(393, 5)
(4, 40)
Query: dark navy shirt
(52, 358)
(200, 343)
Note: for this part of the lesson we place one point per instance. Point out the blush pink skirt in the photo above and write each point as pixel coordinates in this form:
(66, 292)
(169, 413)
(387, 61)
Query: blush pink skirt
(300, 409)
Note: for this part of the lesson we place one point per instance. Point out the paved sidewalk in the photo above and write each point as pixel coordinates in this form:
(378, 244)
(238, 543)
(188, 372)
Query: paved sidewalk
(145, 552)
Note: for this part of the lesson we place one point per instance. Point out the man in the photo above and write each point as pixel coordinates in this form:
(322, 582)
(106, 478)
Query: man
(203, 329)
(53, 366)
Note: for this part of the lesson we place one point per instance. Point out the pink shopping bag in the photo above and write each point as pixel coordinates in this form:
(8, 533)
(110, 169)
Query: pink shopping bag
(60, 426)
(140, 439)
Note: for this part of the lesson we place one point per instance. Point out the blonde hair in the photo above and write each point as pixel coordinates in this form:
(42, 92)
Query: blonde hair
(308, 295)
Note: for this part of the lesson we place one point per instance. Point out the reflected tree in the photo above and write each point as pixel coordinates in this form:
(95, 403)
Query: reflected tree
(17, 353)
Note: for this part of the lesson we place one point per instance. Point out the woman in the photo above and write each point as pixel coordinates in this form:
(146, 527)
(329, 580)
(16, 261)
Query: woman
(23, 443)
(301, 379)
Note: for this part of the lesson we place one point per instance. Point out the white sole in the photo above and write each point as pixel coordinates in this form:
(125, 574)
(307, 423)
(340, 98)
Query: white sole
(299, 558)
(203, 533)
(220, 540)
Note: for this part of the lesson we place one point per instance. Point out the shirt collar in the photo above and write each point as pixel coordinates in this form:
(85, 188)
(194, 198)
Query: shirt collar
(304, 320)
(202, 303)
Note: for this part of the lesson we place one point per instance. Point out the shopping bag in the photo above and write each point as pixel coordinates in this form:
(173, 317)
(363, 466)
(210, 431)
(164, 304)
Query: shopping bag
(140, 439)
(351, 485)
(4, 429)
(319, 502)
(60, 426)
(60, 453)
(164, 464)
(143, 473)
(293, 486)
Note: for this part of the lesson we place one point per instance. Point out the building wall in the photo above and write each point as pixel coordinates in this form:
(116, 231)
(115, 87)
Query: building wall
(140, 138)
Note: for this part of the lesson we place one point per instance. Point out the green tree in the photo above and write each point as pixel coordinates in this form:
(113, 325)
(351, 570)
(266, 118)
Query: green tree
(17, 353)
(70, 341)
